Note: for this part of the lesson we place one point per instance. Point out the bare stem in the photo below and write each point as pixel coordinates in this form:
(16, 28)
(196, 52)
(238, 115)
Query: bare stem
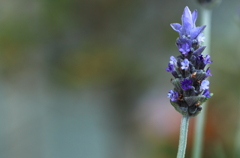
(183, 137)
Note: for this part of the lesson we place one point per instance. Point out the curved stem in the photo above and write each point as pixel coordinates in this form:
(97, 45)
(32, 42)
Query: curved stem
(183, 137)
(200, 120)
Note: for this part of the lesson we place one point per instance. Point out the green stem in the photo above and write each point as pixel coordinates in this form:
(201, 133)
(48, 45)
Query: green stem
(237, 142)
(183, 137)
(200, 120)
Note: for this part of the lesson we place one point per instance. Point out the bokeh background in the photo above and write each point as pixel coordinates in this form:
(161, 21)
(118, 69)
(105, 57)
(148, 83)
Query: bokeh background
(87, 79)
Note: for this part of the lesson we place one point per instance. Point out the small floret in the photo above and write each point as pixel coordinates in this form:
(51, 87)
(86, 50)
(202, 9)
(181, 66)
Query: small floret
(173, 95)
(185, 64)
(204, 85)
(206, 93)
(170, 67)
(186, 84)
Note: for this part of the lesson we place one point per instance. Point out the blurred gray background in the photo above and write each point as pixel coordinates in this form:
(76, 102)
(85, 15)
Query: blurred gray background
(87, 79)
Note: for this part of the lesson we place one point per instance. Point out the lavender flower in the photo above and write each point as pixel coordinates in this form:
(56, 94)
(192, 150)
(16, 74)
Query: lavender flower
(208, 72)
(207, 59)
(170, 67)
(206, 93)
(184, 48)
(173, 60)
(173, 95)
(185, 64)
(186, 84)
(188, 69)
(204, 85)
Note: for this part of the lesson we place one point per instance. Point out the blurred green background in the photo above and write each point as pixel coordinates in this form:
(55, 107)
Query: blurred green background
(87, 79)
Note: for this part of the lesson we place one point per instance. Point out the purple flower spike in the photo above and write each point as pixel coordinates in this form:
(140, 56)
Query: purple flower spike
(186, 84)
(185, 48)
(188, 69)
(204, 85)
(173, 95)
(185, 64)
(206, 93)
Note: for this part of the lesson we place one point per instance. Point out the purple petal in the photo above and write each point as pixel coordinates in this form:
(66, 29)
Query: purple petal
(194, 17)
(208, 73)
(187, 19)
(173, 59)
(185, 64)
(206, 93)
(173, 95)
(204, 85)
(184, 48)
(186, 84)
(196, 31)
(170, 67)
(176, 27)
(207, 59)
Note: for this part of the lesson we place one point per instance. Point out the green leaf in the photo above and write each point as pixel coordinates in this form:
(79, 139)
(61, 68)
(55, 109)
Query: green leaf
(206, 98)
(200, 75)
(181, 110)
(176, 83)
(194, 99)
